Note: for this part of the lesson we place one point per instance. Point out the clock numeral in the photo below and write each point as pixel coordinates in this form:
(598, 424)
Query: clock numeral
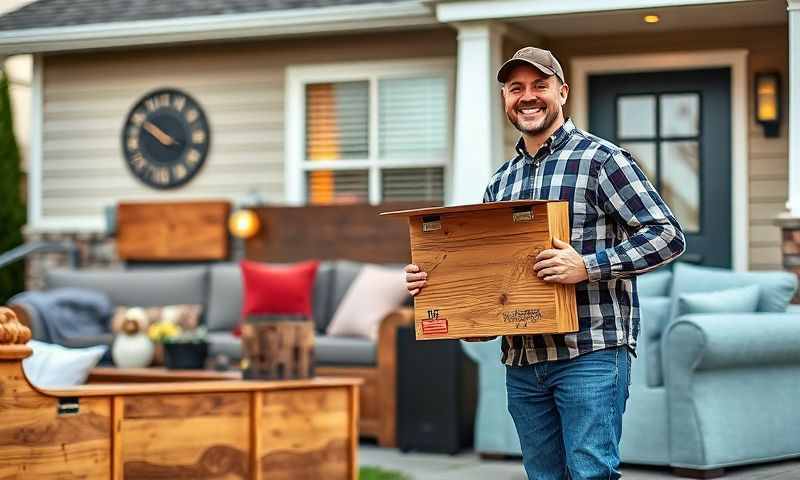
(179, 102)
(138, 162)
(163, 100)
(138, 118)
(150, 104)
(179, 171)
(160, 175)
(192, 115)
(192, 158)
(133, 142)
(198, 136)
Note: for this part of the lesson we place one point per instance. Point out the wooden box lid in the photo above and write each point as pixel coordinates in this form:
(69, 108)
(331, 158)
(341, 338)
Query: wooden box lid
(479, 259)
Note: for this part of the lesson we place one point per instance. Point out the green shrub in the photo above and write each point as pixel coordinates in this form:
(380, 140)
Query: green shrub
(12, 209)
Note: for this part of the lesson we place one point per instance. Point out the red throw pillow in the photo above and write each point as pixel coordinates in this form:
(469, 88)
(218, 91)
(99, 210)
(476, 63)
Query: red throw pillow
(270, 289)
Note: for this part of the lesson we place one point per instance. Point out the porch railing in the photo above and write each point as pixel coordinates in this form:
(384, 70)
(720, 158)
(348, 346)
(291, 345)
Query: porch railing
(18, 253)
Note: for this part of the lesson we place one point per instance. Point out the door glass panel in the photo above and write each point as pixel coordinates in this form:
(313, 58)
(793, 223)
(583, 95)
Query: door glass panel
(680, 115)
(645, 155)
(636, 116)
(680, 181)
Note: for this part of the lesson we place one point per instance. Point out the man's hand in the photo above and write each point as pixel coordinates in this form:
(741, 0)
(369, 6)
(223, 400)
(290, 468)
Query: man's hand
(560, 264)
(415, 279)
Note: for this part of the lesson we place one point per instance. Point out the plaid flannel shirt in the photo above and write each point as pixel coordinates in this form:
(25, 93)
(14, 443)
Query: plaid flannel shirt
(619, 224)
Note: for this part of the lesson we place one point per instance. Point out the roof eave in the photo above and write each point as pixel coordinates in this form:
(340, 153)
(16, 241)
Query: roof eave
(375, 16)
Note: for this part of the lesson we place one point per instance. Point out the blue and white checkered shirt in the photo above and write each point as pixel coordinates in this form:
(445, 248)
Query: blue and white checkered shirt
(620, 225)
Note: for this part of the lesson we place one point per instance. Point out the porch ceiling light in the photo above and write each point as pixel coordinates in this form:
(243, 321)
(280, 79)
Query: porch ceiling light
(652, 19)
(243, 223)
(768, 102)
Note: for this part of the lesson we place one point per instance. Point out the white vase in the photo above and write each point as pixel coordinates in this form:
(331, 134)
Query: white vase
(132, 351)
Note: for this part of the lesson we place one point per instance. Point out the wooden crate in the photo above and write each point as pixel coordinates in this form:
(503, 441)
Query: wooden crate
(479, 260)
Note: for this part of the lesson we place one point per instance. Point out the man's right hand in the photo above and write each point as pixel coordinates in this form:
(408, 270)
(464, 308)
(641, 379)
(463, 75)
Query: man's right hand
(415, 279)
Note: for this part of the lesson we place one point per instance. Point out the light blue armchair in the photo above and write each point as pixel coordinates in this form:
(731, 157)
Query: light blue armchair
(708, 390)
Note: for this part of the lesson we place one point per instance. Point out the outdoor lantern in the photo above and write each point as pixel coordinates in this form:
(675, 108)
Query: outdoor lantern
(243, 223)
(768, 105)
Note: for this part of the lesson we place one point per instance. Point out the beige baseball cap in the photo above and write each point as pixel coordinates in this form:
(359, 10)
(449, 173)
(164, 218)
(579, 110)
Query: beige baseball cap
(542, 59)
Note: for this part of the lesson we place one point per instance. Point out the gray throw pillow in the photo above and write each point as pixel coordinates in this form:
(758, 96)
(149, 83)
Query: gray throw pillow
(732, 300)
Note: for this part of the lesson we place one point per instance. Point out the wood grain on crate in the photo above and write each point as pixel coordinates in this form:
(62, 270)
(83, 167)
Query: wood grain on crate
(481, 280)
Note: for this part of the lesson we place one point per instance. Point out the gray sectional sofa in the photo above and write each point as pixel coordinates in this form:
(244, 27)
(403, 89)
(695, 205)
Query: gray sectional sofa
(218, 287)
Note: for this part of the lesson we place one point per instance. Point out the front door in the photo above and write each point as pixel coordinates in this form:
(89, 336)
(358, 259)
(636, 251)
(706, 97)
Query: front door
(677, 126)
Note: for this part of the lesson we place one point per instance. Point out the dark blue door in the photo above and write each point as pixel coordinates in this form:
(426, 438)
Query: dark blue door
(677, 126)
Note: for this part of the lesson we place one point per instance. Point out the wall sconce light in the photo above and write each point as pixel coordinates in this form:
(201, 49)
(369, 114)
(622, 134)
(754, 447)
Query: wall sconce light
(243, 223)
(768, 102)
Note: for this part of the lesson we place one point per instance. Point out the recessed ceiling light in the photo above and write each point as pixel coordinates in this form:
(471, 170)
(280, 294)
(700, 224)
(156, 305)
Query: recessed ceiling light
(651, 19)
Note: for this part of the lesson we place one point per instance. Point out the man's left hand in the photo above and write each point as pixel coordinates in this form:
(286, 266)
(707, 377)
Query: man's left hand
(560, 264)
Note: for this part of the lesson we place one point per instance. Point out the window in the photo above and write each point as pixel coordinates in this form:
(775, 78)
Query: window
(662, 131)
(369, 133)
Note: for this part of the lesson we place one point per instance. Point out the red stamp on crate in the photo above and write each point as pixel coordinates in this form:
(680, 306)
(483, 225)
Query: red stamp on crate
(434, 324)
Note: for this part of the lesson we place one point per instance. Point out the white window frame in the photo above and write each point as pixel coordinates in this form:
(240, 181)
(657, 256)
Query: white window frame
(298, 76)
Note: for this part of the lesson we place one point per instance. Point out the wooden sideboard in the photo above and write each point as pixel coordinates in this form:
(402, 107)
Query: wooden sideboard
(292, 430)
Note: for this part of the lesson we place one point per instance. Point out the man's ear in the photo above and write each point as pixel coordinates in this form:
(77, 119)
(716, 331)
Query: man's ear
(564, 93)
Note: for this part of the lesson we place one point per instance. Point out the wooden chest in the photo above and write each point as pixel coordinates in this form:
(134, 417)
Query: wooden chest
(479, 260)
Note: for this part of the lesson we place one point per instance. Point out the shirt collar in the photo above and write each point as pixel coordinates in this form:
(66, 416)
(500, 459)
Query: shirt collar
(551, 144)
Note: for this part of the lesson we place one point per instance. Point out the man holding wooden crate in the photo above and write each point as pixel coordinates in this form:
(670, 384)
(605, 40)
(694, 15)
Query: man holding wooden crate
(567, 393)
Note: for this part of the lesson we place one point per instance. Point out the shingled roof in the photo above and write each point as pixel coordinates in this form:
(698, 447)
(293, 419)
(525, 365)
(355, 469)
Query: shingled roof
(63, 13)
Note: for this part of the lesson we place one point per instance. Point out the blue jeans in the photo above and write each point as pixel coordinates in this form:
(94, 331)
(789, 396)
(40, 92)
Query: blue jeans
(568, 414)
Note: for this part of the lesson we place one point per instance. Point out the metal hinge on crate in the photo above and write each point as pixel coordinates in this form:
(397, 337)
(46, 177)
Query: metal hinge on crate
(431, 223)
(522, 214)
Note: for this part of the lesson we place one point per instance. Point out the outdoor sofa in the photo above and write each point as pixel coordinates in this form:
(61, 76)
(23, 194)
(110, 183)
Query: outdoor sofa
(218, 287)
(708, 391)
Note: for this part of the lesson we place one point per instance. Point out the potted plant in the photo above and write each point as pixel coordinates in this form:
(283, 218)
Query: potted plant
(182, 349)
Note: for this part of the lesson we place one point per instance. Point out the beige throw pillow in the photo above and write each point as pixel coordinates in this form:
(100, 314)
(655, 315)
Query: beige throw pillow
(374, 293)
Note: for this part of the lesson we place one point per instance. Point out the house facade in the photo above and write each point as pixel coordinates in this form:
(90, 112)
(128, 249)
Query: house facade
(352, 101)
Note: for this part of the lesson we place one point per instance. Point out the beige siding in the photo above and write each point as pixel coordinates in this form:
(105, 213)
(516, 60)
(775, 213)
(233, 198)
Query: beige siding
(768, 158)
(239, 85)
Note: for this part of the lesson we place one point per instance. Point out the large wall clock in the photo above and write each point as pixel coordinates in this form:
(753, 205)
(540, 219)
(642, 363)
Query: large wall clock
(166, 138)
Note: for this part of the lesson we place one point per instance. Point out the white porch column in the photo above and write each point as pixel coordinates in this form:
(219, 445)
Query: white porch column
(478, 111)
(793, 205)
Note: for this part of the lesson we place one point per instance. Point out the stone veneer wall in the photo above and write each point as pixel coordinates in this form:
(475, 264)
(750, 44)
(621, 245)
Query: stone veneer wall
(97, 250)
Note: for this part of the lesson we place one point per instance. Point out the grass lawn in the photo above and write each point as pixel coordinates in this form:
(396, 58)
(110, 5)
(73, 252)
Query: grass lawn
(374, 473)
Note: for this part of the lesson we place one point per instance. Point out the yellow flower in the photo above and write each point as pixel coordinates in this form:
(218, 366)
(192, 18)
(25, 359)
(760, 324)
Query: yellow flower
(160, 331)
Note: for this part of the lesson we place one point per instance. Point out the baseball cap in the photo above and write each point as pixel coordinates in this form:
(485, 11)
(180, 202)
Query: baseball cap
(542, 59)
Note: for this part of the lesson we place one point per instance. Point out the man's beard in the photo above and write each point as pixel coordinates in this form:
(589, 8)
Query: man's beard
(550, 117)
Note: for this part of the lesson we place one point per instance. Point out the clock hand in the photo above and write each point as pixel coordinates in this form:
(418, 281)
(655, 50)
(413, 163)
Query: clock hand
(159, 134)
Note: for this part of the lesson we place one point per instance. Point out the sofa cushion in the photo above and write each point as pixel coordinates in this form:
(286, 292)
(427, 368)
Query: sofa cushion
(327, 350)
(374, 293)
(777, 288)
(654, 284)
(225, 296)
(226, 343)
(654, 316)
(731, 300)
(330, 350)
(145, 288)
